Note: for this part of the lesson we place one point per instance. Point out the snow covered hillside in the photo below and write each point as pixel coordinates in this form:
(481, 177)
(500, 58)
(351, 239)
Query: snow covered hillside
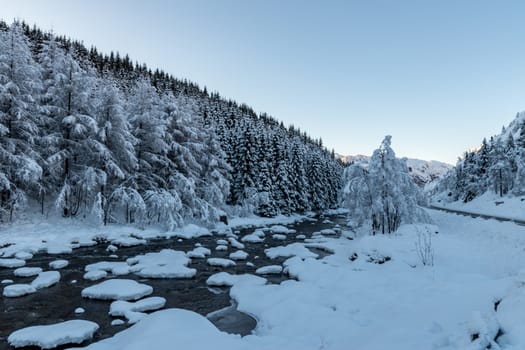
(422, 172)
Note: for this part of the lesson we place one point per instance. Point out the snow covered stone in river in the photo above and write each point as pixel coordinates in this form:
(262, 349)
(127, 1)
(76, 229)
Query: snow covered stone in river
(18, 290)
(10, 263)
(279, 237)
(235, 243)
(239, 255)
(222, 279)
(199, 252)
(221, 248)
(281, 229)
(328, 232)
(269, 270)
(167, 263)
(46, 279)
(79, 310)
(294, 249)
(117, 289)
(222, 242)
(51, 336)
(95, 275)
(27, 271)
(127, 241)
(115, 267)
(58, 264)
(256, 236)
(24, 255)
(221, 262)
(134, 311)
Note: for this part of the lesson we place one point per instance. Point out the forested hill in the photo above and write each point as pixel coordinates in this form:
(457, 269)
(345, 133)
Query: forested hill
(498, 165)
(92, 135)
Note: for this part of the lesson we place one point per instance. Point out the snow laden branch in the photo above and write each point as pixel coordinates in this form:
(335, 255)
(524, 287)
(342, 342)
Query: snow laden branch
(382, 195)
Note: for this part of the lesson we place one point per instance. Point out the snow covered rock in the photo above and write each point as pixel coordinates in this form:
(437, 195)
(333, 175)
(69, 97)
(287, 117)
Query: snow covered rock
(51, 336)
(294, 249)
(117, 289)
(235, 243)
(256, 236)
(223, 279)
(239, 255)
(281, 229)
(198, 252)
(279, 237)
(46, 279)
(58, 264)
(27, 271)
(23, 255)
(269, 270)
(221, 262)
(18, 290)
(221, 248)
(127, 241)
(167, 263)
(11, 263)
(79, 310)
(95, 275)
(117, 268)
(134, 311)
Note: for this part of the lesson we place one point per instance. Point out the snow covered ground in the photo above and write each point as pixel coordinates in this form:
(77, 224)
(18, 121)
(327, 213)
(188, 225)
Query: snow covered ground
(373, 292)
(489, 204)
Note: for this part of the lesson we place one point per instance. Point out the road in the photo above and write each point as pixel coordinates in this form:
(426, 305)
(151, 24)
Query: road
(477, 215)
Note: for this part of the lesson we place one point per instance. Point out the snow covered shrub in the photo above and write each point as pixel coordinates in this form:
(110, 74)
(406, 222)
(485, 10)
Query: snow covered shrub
(424, 248)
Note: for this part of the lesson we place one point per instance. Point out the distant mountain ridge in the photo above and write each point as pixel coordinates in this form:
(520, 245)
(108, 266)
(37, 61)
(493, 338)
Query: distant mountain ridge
(422, 172)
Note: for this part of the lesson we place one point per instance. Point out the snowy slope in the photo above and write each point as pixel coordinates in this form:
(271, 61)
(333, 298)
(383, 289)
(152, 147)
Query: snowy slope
(422, 171)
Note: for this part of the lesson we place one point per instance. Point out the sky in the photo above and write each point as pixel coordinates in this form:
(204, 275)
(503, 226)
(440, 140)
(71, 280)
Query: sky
(436, 75)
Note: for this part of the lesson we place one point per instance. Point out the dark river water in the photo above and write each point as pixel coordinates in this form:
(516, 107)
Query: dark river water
(58, 303)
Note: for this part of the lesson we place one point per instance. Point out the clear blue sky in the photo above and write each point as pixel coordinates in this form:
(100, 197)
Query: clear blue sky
(437, 75)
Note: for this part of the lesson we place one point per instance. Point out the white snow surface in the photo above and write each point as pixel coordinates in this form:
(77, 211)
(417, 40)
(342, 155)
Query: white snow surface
(117, 289)
(238, 255)
(400, 304)
(46, 279)
(134, 311)
(95, 275)
(294, 249)
(269, 270)
(58, 264)
(222, 279)
(18, 290)
(51, 336)
(11, 263)
(117, 268)
(198, 253)
(27, 271)
(281, 229)
(489, 204)
(221, 262)
(170, 329)
(167, 263)
(279, 237)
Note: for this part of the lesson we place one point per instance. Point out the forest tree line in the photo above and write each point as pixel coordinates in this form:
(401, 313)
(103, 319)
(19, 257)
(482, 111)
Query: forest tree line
(94, 135)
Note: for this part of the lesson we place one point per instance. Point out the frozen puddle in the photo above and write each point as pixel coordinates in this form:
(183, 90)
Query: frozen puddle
(117, 289)
(51, 336)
